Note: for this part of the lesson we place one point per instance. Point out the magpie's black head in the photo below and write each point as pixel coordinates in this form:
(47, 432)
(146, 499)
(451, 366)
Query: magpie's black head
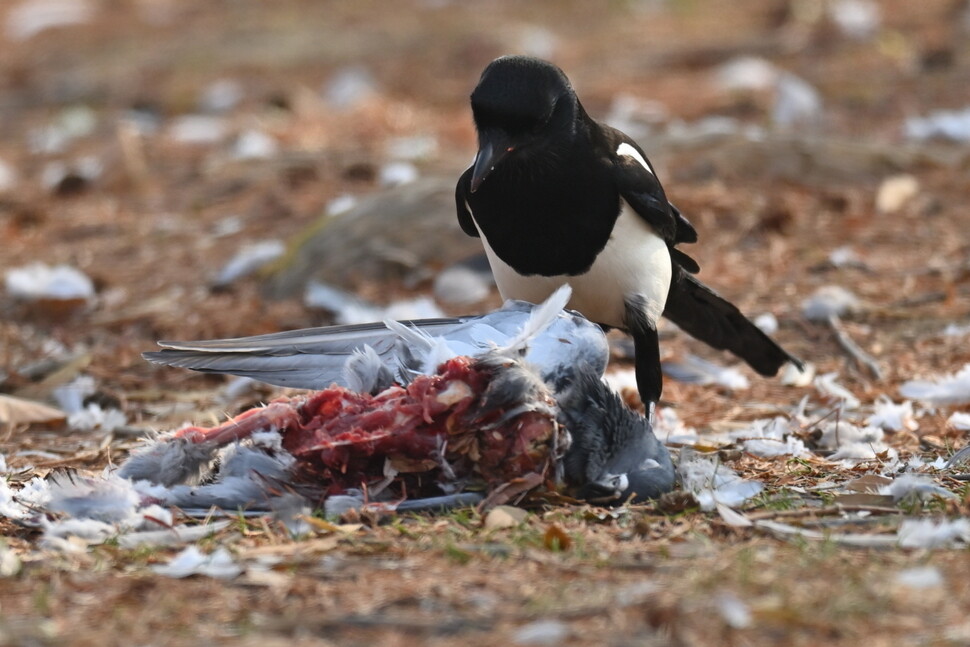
(519, 104)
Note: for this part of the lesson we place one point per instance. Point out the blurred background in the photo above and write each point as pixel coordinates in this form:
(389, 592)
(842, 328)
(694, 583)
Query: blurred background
(174, 169)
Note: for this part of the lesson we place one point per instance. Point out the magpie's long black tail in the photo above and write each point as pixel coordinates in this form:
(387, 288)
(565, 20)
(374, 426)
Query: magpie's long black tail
(703, 314)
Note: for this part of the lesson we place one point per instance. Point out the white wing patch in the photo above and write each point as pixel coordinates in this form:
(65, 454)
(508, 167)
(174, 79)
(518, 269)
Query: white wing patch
(630, 151)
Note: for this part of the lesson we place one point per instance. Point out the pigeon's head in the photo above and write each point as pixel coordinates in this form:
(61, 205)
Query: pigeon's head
(519, 103)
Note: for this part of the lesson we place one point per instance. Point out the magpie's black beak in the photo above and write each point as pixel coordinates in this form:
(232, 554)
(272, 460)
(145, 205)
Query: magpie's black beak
(493, 147)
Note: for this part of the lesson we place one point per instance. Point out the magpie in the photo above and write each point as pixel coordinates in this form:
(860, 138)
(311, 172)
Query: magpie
(557, 198)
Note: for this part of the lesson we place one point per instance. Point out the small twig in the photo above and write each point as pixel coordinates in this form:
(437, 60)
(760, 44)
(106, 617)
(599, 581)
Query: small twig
(820, 512)
(859, 356)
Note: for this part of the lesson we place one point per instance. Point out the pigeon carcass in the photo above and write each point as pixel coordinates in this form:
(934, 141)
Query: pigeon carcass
(408, 412)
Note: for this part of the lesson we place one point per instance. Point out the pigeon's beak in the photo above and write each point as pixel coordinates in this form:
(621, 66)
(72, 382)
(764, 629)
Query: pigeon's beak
(493, 147)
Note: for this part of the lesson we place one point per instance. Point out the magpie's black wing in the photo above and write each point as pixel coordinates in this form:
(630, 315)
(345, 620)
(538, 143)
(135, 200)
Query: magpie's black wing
(639, 186)
(706, 316)
(461, 202)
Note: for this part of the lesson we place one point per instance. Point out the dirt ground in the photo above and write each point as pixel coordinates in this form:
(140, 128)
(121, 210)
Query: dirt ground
(98, 179)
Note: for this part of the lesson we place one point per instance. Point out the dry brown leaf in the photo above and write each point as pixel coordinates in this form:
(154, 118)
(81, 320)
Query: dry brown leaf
(18, 411)
(556, 539)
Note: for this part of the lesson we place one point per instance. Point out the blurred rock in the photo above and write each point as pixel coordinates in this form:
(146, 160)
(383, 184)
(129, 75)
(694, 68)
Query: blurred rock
(895, 192)
(31, 17)
(408, 231)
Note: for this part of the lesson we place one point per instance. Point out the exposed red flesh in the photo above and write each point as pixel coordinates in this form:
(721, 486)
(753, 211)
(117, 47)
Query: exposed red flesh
(342, 439)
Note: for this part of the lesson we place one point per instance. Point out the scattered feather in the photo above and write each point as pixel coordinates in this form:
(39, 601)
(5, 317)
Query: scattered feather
(956, 330)
(198, 129)
(350, 309)
(791, 375)
(920, 577)
(953, 125)
(191, 561)
(747, 73)
(249, 260)
(930, 533)
(733, 610)
(891, 416)
(174, 536)
(542, 632)
(462, 285)
(796, 102)
(28, 19)
(858, 19)
(350, 87)
(342, 204)
(221, 95)
(828, 301)
(914, 487)
(397, 174)
(953, 389)
(40, 281)
(95, 418)
(959, 420)
(412, 148)
(767, 322)
(712, 482)
(9, 178)
(255, 145)
(828, 387)
(694, 370)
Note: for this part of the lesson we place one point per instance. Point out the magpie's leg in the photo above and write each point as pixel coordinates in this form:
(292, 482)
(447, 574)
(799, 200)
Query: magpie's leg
(647, 363)
(646, 344)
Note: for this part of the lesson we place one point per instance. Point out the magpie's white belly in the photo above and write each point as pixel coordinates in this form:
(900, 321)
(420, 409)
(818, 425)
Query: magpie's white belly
(634, 262)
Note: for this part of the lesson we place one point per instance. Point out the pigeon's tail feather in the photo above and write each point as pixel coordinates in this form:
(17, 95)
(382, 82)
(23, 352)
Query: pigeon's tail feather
(703, 314)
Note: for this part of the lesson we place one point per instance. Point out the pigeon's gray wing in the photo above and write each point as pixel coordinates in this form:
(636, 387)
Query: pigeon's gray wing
(315, 358)
(311, 358)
